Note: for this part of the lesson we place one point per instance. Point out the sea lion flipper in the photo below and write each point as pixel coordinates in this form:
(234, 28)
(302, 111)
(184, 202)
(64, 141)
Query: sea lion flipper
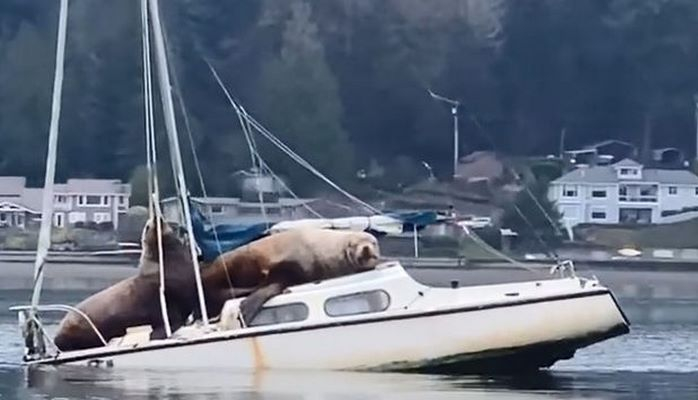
(250, 307)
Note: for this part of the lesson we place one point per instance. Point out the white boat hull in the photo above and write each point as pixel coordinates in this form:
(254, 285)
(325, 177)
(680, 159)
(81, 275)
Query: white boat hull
(519, 334)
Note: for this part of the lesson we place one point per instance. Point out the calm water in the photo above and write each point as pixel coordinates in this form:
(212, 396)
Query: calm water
(657, 360)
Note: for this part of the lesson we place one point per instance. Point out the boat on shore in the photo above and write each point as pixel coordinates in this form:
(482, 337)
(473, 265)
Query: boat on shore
(382, 320)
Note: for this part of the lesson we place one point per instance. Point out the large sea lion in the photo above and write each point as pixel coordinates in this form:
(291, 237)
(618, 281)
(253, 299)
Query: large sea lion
(135, 300)
(267, 266)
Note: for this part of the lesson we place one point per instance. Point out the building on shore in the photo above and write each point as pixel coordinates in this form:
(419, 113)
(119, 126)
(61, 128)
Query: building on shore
(76, 202)
(247, 209)
(235, 210)
(625, 193)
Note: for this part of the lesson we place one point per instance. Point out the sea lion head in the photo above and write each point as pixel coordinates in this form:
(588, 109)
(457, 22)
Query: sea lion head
(177, 257)
(363, 251)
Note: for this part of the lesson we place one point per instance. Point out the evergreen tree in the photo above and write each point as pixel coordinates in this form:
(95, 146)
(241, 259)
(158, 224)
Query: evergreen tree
(299, 100)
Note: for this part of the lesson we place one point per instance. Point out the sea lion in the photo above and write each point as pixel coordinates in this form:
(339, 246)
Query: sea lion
(267, 266)
(135, 300)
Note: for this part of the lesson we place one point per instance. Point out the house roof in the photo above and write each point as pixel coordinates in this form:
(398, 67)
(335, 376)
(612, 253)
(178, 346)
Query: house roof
(607, 142)
(12, 185)
(93, 186)
(607, 174)
(626, 162)
(5, 202)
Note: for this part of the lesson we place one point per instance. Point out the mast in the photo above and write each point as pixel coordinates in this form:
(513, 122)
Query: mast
(153, 185)
(171, 125)
(47, 206)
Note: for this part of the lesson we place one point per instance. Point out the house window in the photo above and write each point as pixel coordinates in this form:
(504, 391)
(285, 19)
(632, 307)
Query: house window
(696, 191)
(628, 171)
(598, 215)
(622, 191)
(598, 193)
(569, 191)
(89, 200)
(106, 200)
(76, 216)
(61, 199)
(647, 191)
(279, 314)
(20, 220)
(217, 209)
(357, 303)
(101, 217)
(673, 190)
(59, 220)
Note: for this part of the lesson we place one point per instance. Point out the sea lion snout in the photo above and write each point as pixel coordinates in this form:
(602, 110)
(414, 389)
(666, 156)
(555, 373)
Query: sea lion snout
(366, 253)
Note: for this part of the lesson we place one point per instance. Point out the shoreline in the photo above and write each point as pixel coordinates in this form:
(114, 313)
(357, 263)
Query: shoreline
(647, 281)
(130, 257)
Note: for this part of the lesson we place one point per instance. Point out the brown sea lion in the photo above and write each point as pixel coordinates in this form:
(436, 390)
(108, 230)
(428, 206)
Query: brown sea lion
(267, 266)
(135, 300)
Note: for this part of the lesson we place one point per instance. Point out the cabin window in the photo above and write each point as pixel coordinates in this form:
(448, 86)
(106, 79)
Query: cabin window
(279, 314)
(673, 190)
(357, 303)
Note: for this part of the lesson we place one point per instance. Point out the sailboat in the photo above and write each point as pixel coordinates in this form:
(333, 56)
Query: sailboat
(378, 320)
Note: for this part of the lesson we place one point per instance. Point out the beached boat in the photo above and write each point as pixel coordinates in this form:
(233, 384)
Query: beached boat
(384, 320)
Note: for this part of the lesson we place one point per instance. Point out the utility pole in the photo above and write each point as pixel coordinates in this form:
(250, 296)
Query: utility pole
(454, 111)
(695, 101)
(562, 142)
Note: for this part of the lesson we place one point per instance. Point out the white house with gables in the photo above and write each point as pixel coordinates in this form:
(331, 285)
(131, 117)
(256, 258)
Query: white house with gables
(76, 201)
(625, 192)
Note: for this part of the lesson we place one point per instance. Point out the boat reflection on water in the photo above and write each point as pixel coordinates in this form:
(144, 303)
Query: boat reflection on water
(81, 382)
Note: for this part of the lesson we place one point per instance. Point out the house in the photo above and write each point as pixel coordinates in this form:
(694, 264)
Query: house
(76, 201)
(247, 209)
(668, 157)
(602, 152)
(625, 192)
(234, 210)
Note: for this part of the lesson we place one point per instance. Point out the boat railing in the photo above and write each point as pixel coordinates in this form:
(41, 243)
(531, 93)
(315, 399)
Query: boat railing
(562, 266)
(58, 307)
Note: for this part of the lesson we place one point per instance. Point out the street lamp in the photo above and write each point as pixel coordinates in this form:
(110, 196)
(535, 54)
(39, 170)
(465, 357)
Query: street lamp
(454, 111)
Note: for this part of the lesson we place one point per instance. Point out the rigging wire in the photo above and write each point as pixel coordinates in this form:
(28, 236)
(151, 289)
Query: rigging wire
(545, 246)
(284, 148)
(542, 210)
(478, 240)
(263, 166)
(540, 207)
(253, 155)
(547, 216)
(197, 164)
